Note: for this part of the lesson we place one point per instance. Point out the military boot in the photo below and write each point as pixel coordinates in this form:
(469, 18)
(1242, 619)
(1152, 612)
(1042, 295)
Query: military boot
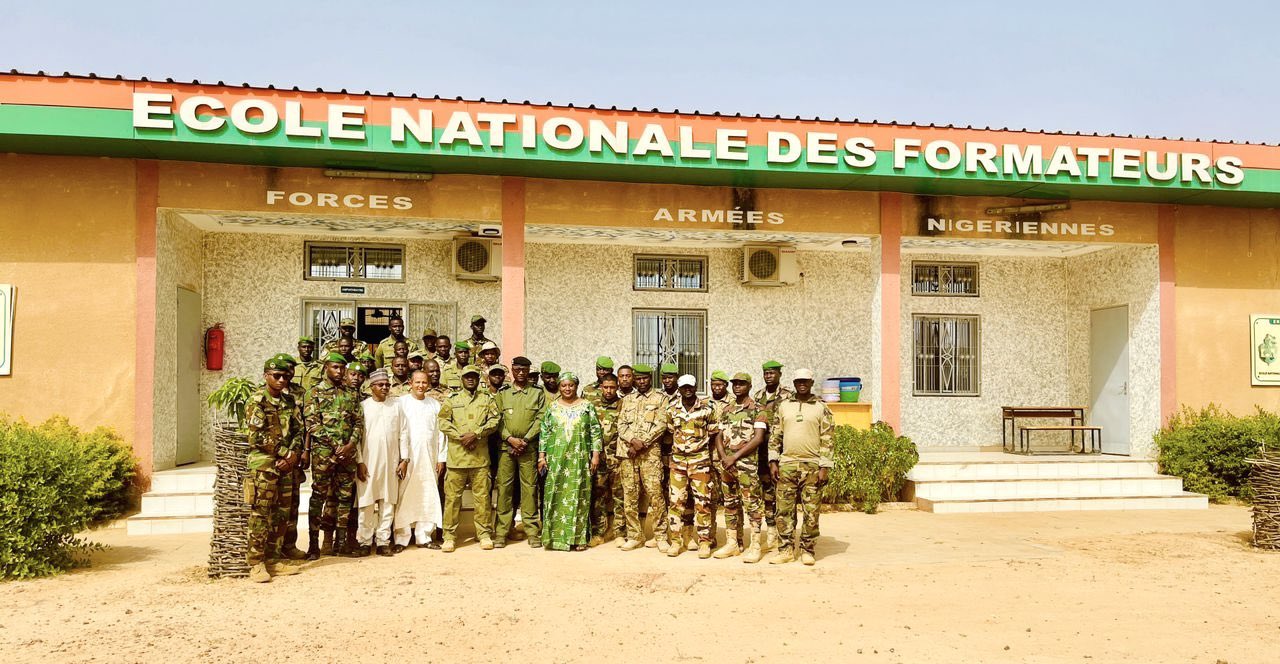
(326, 549)
(783, 556)
(690, 538)
(259, 573)
(313, 545)
(771, 538)
(282, 568)
(730, 548)
(755, 546)
(704, 550)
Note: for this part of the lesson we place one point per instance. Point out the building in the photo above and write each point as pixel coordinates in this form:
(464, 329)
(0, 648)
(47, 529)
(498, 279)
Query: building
(953, 270)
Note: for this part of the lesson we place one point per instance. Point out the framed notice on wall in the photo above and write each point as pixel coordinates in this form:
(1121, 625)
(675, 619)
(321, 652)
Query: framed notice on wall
(6, 329)
(1264, 348)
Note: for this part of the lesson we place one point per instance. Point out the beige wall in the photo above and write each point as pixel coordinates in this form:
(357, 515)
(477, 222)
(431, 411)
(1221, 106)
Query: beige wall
(1227, 267)
(67, 244)
(580, 302)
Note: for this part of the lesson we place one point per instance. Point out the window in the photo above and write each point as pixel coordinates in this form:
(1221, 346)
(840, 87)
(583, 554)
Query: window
(671, 273)
(946, 352)
(354, 262)
(677, 336)
(944, 279)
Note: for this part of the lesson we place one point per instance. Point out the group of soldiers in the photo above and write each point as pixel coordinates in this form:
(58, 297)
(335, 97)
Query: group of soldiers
(757, 456)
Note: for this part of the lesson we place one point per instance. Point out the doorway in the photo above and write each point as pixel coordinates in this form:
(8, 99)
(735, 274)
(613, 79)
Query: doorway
(188, 345)
(1109, 377)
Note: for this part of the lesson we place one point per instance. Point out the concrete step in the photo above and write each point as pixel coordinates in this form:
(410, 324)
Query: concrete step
(199, 503)
(928, 471)
(1076, 487)
(186, 479)
(1178, 501)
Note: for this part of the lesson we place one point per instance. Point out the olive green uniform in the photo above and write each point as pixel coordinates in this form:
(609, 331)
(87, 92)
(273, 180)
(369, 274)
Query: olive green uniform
(521, 410)
(462, 413)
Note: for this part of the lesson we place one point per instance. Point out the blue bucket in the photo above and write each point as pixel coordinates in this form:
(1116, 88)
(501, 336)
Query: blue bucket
(850, 389)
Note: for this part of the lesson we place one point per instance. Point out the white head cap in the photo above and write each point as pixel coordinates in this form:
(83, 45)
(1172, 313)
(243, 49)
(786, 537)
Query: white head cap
(686, 380)
(802, 374)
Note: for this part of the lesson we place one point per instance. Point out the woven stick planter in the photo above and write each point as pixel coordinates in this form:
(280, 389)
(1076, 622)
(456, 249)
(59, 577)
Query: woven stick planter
(230, 515)
(1264, 479)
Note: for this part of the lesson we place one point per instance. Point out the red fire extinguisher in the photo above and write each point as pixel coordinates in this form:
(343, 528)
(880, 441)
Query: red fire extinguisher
(213, 344)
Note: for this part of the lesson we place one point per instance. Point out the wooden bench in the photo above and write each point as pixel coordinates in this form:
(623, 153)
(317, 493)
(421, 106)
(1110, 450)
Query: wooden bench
(1014, 437)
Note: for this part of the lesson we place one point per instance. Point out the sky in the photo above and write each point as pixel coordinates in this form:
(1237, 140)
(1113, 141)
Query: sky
(1167, 69)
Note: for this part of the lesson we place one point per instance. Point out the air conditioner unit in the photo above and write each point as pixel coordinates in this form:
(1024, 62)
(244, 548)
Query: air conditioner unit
(477, 258)
(769, 265)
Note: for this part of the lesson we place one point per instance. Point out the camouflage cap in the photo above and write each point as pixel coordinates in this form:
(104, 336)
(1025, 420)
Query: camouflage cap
(428, 332)
(771, 364)
(417, 353)
(335, 357)
(276, 364)
(478, 319)
(742, 377)
(720, 376)
(367, 358)
(470, 369)
(604, 362)
(642, 368)
(550, 367)
(669, 368)
(347, 322)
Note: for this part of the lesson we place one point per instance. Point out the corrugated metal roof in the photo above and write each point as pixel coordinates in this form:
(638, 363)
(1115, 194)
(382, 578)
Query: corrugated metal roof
(634, 109)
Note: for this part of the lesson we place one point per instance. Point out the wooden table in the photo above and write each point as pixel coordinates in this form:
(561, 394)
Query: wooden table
(1011, 435)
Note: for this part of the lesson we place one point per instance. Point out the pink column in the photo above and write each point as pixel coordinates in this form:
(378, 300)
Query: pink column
(146, 199)
(890, 307)
(1168, 317)
(512, 267)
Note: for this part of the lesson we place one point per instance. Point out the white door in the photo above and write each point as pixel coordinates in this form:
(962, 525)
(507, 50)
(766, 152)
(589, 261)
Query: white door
(189, 344)
(320, 319)
(1109, 377)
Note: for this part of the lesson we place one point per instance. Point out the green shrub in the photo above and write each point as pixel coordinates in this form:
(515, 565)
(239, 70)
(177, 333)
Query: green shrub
(229, 400)
(55, 481)
(869, 466)
(1208, 448)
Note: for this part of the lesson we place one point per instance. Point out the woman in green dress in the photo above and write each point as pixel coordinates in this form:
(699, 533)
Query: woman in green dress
(569, 452)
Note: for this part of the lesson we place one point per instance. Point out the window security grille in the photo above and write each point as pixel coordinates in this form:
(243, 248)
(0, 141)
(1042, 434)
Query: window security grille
(671, 273)
(944, 279)
(946, 352)
(354, 262)
(675, 336)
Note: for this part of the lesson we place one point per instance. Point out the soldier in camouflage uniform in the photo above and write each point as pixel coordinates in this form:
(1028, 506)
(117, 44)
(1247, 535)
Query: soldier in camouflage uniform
(356, 379)
(451, 372)
(273, 423)
(288, 545)
(719, 400)
(642, 422)
(606, 494)
(335, 425)
(800, 439)
(690, 421)
(740, 430)
(347, 330)
(767, 396)
(604, 367)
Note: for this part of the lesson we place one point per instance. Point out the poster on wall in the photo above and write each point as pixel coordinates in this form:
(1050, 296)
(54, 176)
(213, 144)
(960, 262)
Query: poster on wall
(1264, 342)
(6, 329)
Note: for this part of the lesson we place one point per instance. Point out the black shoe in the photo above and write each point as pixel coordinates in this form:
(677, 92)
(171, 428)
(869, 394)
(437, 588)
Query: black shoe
(432, 545)
(384, 550)
(397, 548)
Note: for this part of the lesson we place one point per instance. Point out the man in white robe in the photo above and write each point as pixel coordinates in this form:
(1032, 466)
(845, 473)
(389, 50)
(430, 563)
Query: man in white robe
(418, 511)
(380, 458)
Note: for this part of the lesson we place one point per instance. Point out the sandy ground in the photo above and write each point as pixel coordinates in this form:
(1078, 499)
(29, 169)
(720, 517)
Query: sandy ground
(899, 586)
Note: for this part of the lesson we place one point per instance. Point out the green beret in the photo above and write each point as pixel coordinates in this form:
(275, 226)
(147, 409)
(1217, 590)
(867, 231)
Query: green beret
(720, 376)
(470, 369)
(335, 357)
(356, 366)
(462, 345)
(771, 364)
(276, 364)
(285, 357)
(550, 367)
(367, 358)
(642, 368)
(306, 340)
(742, 376)
(669, 368)
(604, 362)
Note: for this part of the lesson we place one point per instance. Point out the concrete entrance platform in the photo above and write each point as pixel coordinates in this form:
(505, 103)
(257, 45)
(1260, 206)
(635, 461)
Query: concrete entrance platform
(966, 481)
